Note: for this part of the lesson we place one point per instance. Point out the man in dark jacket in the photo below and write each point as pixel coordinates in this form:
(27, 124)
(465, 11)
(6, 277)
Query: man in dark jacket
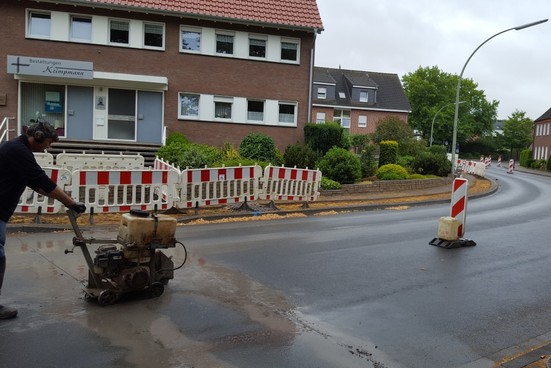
(19, 169)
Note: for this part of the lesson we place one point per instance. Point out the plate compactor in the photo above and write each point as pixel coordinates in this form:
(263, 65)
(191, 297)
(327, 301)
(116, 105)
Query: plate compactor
(134, 261)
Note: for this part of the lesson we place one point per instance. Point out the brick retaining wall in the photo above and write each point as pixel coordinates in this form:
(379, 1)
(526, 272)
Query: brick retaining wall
(380, 186)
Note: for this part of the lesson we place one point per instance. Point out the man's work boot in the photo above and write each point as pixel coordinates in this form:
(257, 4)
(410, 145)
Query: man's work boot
(7, 312)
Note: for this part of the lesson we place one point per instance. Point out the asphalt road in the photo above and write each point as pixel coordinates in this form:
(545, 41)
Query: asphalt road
(361, 289)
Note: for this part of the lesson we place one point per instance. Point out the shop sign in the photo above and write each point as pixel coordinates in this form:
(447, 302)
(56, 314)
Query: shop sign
(26, 65)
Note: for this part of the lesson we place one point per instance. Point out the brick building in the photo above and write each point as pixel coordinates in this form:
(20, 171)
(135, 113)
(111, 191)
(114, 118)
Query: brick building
(121, 71)
(541, 146)
(357, 99)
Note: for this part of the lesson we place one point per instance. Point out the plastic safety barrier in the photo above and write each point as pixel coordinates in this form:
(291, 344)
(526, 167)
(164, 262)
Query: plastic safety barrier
(33, 202)
(44, 159)
(472, 167)
(290, 184)
(214, 186)
(121, 191)
(87, 161)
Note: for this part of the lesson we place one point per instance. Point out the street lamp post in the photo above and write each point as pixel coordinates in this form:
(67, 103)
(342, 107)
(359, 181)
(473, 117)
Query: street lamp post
(434, 118)
(454, 138)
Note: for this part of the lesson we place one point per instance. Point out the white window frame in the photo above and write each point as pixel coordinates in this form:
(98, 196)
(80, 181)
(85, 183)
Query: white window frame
(320, 117)
(197, 30)
(362, 121)
(252, 115)
(290, 41)
(253, 37)
(121, 21)
(72, 28)
(342, 119)
(322, 93)
(223, 100)
(366, 98)
(180, 112)
(280, 115)
(224, 34)
(35, 34)
(342, 95)
(154, 24)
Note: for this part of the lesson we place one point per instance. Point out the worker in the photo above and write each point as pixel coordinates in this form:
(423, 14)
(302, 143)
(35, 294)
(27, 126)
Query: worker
(19, 169)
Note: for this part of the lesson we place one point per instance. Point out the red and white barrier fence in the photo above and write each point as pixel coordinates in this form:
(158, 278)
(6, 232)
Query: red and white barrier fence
(165, 187)
(121, 191)
(472, 167)
(290, 184)
(33, 202)
(214, 186)
(87, 161)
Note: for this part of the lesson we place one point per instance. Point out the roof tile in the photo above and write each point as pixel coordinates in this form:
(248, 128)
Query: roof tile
(294, 13)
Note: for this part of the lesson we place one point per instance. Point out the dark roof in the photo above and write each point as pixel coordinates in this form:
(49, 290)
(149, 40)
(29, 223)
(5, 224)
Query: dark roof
(301, 14)
(390, 93)
(545, 116)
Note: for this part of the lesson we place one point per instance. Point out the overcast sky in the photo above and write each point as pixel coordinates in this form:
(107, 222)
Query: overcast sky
(399, 36)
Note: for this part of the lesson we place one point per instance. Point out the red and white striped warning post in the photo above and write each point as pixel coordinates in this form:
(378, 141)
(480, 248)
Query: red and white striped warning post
(511, 166)
(459, 203)
(499, 161)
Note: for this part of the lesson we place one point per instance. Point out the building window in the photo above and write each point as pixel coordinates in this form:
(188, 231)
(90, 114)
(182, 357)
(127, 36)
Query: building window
(257, 48)
(322, 93)
(343, 117)
(363, 96)
(342, 95)
(153, 35)
(224, 44)
(255, 110)
(289, 51)
(119, 32)
(223, 107)
(191, 40)
(320, 118)
(81, 28)
(189, 105)
(39, 24)
(362, 121)
(287, 112)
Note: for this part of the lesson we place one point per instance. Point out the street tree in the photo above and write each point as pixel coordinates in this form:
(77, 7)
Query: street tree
(431, 93)
(517, 132)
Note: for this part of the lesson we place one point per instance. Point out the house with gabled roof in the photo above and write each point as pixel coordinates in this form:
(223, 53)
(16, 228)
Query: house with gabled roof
(541, 142)
(119, 71)
(357, 99)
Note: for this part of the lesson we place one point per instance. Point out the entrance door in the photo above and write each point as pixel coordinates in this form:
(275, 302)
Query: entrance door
(121, 118)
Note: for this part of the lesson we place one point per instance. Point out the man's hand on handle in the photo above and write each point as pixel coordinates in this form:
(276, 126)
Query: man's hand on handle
(78, 207)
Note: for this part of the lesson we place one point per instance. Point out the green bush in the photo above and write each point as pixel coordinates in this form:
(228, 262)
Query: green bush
(323, 137)
(392, 172)
(438, 149)
(548, 166)
(240, 161)
(368, 161)
(359, 141)
(539, 164)
(525, 157)
(417, 176)
(340, 165)
(389, 152)
(430, 163)
(329, 184)
(176, 138)
(258, 146)
(300, 155)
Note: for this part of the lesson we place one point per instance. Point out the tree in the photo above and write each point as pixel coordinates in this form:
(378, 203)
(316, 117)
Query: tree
(392, 128)
(430, 91)
(517, 131)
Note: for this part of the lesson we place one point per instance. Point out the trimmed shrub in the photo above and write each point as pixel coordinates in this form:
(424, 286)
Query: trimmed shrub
(389, 152)
(190, 155)
(340, 165)
(323, 137)
(526, 158)
(539, 164)
(258, 146)
(392, 172)
(368, 161)
(329, 184)
(429, 163)
(300, 155)
(176, 138)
